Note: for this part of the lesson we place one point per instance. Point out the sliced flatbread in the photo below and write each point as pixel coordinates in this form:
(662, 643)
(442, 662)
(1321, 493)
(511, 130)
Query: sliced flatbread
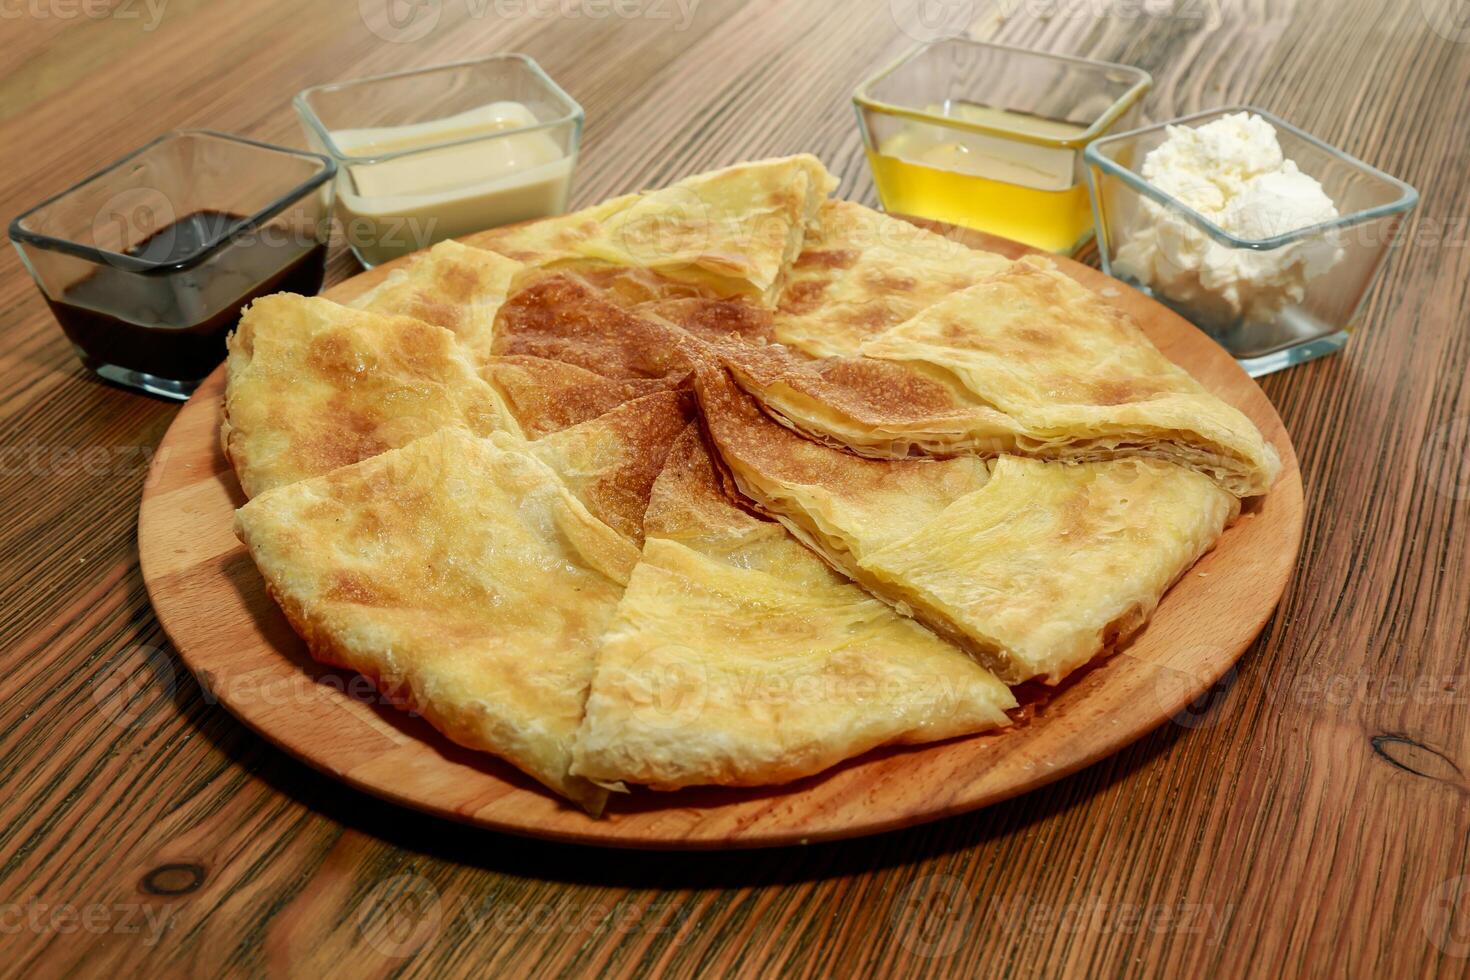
(1034, 567)
(738, 658)
(314, 385)
(861, 272)
(547, 396)
(552, 240)
(462, 577)
(452, 286)
(724, 322)
(562, 317)
(1050, 564)
(737, 229)
(611, 462)
(1027, 362)
(1077, 376)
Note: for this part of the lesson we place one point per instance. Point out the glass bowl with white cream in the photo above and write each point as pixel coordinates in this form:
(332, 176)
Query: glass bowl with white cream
(443, 152)
(1266, 238)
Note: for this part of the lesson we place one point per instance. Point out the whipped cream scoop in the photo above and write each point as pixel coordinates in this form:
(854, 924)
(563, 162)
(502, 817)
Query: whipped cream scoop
(1232, 172)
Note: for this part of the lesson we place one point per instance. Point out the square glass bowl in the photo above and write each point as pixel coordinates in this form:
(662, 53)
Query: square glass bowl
(991, 137)
(1271, 302)
(441, 152)
(147, 263)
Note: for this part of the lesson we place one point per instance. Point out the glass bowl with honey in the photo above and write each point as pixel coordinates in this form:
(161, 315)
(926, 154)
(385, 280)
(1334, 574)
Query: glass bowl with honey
(991, 137)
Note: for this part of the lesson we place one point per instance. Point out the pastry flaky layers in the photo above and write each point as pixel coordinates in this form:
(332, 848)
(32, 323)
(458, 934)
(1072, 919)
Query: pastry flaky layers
(721, 483)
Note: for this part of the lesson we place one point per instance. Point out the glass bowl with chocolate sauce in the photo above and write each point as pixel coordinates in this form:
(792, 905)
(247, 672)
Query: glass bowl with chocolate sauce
(147, 263)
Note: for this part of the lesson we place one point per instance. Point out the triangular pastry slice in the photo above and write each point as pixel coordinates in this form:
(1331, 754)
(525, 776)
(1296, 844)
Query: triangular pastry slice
(452, 286)
(1050, 564)
(743, 224)
(461, 576)
(1076, 376)
(611, 462)
(738, 658)
(314, 385)
(547, 396)
(737, 229)
(880, 409)
(550, 240)
(562, 317)
(861, 272)
(1034, 567)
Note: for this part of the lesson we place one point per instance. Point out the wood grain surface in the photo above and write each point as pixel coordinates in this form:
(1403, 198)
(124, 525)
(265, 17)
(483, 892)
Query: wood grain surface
(1309, 819)
(229, 633)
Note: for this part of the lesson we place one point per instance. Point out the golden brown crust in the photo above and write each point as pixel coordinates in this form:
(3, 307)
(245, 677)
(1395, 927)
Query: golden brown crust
(737, 658)
(314, 385)
(1074, 377)
(732, 322)
(462, 577)
(877, 395)
(734, 231)
(452, 286)
(884, 498)
(861, 272)
(1036, 568)
(547, 396)
(611, 462)
(693, 498)
(560, 317)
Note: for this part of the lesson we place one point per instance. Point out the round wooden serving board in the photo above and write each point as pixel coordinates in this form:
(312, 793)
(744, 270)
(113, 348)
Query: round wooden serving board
(214, 607)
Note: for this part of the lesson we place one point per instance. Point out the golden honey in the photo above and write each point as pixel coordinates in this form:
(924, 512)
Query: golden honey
(1020, 190)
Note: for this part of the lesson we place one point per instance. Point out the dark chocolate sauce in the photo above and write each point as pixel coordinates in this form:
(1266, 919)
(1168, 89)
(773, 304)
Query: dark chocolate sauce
(170, 323)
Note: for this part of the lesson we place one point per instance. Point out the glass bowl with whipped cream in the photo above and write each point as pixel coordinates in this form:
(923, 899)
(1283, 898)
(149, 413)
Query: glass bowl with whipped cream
(1266, 238)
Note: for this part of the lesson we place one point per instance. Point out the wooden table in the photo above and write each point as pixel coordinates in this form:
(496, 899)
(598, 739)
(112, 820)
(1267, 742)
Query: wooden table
(1311, 819)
